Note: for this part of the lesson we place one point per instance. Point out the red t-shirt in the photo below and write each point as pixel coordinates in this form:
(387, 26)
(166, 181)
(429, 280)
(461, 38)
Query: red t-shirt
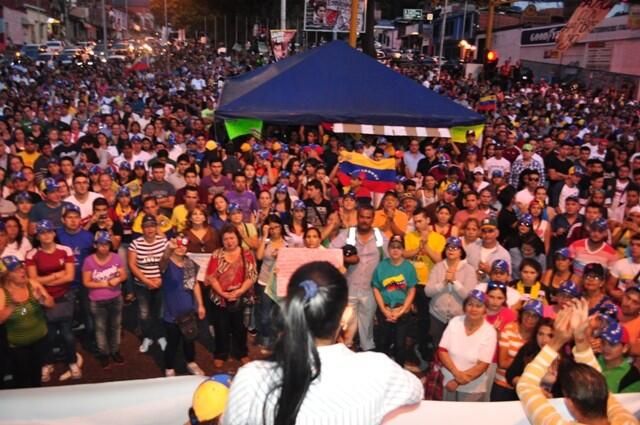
(47, 263)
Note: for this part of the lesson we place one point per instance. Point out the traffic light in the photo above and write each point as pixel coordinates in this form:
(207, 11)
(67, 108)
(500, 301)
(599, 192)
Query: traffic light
(490, 64)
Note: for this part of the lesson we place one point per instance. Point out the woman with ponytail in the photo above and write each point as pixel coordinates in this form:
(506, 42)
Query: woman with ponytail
(309, 375)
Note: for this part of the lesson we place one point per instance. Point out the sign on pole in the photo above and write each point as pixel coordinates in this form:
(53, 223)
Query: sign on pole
(280, 42)
(332, 15)
(412, 14)
(588, 14)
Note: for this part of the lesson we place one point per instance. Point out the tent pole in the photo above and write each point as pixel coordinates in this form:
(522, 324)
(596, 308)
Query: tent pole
(353, 27)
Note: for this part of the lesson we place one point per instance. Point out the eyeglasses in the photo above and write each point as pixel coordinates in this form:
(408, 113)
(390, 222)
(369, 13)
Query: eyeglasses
(593, 276)
(452, 248)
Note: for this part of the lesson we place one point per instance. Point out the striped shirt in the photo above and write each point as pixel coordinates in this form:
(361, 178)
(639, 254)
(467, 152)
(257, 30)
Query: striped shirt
(538, 408)
(512, 341)
(353, 388)
(606, 255)
(148, 255)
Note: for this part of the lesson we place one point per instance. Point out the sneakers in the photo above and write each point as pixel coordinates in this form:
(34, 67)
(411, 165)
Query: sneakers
(169, 373)
(163, 343)
(46, 372)
(76, 373)
(194, 369)
(146, 343)
(117, 358)
(104, 361)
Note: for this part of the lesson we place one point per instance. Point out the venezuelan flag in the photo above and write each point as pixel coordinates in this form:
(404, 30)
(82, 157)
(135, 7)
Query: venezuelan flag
(379, 175)
(487, 103)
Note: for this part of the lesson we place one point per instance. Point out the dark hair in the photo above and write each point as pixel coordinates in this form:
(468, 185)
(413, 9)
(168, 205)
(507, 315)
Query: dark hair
(100, 202)
(586, 388)
(191, 170)
(305, 317)
(533, 264)
(191, 188)
(314, 183)
(78, 174)
(149, 198)
(157, 165)
(20, 235)
(275, 218)
(228, 228)
(309, 229)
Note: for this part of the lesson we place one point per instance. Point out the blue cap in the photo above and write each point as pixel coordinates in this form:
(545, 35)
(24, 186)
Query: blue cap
(358, 145)
(80, 166)
(492, 284)
(298, 204)
(284, 174)
(608, 311)
(453, 188)
(615, 334)
(500, 265)
(139, 164)
(49, 185)
(123, 191)
(149, 220)
(44, 226)
(569, 287)
(23, 197)
(264, 155)
(454, 241)
(534, 306)
(497, 173)
(102, 237)
(18, 176)
(350, 194)
(95, 170)
(125, 165)
(284, 147)
(256, 147)
(478, 295)
(282, 188)
(53, 160)
(526, 219)
(68, 207)
(400, 179)
(599, 224)
(563, 252)
(234, 207)
(11, 262)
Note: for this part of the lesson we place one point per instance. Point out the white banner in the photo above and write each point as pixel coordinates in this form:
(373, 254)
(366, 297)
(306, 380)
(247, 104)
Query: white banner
(166, 401)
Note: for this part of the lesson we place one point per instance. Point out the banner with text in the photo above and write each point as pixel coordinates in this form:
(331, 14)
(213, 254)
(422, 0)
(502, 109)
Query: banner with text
(588, 14)
(332, 15)
(280, 43)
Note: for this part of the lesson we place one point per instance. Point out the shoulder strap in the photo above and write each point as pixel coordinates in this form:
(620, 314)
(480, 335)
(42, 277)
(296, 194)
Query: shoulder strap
(7, 295)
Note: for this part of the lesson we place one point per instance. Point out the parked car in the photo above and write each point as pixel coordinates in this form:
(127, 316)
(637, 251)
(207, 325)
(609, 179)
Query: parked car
(31, 51)
(55, 47)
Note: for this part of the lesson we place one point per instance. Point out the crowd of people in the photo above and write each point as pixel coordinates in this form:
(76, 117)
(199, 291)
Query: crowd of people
(116, 183)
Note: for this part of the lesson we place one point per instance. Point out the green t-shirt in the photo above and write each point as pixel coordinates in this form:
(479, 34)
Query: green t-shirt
(394, 282)
(614, 377)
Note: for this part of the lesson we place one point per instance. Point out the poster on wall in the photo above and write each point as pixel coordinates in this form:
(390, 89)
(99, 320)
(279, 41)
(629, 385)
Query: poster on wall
(332, 15)
(280, 43)
(634, 17)
(588, 14)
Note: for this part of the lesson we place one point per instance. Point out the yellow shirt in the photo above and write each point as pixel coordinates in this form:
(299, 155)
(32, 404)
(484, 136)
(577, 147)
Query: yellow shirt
(423, 263)
(399, 218)
(179, 218)
(29, 159)
(164, 224)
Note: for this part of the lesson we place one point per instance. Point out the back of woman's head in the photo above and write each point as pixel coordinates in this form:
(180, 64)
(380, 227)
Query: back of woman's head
(586, 388)
(316, 298)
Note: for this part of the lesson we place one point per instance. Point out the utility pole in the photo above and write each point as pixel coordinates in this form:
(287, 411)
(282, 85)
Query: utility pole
(489, 33)
(126, 18)
(464, 21)
(283, 14)
(444, 25)
(166, 20)
(353, 27)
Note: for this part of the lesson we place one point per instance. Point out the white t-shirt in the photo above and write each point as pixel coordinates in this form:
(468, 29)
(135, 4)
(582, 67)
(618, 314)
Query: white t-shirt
(353, 388)
(494, 163)
(467, 350)
(20, 252)
(524, 197)
(86, 207)
(625, 270)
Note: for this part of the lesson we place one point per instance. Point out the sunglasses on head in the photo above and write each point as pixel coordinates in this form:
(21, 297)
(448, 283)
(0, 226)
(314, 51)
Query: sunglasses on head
(496, 285)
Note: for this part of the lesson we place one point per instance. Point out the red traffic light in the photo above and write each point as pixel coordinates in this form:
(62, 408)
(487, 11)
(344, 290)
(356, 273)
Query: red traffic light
(491, 56)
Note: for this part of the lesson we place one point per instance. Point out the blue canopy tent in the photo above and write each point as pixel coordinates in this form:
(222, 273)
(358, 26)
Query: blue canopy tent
(337, 84)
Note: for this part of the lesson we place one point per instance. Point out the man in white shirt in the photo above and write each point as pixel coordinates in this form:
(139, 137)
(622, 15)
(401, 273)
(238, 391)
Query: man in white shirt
(497, 162)
(82, 197)
(531, 180)
(411, 158)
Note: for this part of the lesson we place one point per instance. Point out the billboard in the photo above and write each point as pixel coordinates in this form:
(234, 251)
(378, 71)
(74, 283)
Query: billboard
(540, 36)
(588, 14)
(280, 43)
(332, 15)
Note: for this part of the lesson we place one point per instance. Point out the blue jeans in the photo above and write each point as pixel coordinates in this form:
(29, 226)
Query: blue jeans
(265, 317)
(149, 311)
(84, 313)
(69, 342)
(108, 320)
